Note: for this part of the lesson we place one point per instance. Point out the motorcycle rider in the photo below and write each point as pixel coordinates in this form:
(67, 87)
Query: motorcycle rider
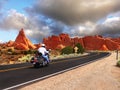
(44, 52)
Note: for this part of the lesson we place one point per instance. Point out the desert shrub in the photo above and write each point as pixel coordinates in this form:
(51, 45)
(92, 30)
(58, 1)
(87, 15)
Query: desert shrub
(80, 48)
(118, 63)
(25, 58)
(9, 50)
(34, 51)
(29, 52)
(67, 50)
(14, 53)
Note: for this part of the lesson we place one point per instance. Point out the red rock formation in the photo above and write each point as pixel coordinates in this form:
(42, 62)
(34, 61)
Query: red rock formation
(89, 42)
(112, 45)
(22, 42)
(60, 46)
(93, 42)
(53, 41)
(37, 45)
(10, 43)
(104, 48)
(116, 40)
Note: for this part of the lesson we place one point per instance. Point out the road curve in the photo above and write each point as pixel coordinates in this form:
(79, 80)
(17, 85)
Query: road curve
(12, 77)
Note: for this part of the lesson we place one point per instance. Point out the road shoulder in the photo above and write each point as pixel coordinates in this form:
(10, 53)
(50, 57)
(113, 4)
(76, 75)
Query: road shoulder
(100, 75)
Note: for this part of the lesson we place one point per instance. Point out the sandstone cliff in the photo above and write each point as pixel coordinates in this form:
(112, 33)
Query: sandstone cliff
(96, 42)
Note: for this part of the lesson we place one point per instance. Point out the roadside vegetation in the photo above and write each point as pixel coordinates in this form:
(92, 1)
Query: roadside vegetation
(80, 48)
(25, 58)
(70, 50)
(9, 55)
(67, 50)
(118, 63)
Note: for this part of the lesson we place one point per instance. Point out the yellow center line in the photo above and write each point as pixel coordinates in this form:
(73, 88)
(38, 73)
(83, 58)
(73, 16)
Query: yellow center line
(11, 69)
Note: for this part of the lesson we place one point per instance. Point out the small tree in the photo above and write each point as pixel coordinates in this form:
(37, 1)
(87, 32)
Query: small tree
(80, 48)
(67, 50)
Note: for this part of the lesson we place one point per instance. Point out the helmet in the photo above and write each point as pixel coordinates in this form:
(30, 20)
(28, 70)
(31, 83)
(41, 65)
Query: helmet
(43, 45)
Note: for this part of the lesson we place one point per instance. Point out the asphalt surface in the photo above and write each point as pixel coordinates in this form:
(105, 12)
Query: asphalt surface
(11, 75)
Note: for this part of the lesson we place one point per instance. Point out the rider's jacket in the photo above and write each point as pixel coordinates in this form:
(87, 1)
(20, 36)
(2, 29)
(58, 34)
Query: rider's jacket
(42, 50)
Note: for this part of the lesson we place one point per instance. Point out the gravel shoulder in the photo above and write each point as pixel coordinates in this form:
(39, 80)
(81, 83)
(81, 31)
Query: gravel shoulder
(99, 75)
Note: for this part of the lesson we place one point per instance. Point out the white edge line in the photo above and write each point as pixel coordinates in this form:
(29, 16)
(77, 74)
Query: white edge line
(15, 86)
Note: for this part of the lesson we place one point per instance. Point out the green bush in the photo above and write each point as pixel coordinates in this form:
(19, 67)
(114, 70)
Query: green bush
(67, 50)
(118, 63)
(80, 48)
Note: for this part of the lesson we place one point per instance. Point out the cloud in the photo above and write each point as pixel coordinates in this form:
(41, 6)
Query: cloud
(37, 35)
(79, 17)
(76, 12)
(75, 17)
(14, 20)
(1, 41)
(36, 28)
(85, 29)
(110, 27)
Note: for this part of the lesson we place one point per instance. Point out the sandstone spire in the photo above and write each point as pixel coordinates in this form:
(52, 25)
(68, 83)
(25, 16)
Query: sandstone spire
(22, 42)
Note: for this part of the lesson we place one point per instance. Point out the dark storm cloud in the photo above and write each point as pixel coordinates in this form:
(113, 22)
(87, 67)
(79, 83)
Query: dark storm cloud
(79, 16)
(76, 11)
(55, 26)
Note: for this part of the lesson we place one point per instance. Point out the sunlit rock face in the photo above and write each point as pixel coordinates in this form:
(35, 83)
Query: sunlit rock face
(22, 42)
(96, 42)
(58, 42)
(104, 48)
(93, 42)
(112, 45)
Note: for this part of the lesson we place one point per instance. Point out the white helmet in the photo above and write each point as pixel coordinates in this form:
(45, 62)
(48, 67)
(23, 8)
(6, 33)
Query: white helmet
(43, 45)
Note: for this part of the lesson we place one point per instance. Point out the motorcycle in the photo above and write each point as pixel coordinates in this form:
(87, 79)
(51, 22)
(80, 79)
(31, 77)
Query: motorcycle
(39, 61)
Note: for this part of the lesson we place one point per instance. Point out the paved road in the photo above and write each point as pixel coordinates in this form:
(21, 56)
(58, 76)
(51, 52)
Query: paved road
(13, 75)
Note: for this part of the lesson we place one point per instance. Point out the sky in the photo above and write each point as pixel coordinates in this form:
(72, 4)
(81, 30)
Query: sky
(43, 18)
